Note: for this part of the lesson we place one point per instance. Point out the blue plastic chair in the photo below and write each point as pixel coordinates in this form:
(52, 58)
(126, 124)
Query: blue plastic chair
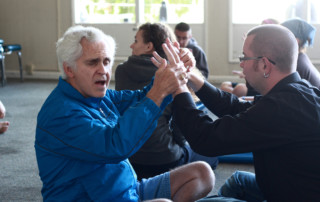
(7, 49)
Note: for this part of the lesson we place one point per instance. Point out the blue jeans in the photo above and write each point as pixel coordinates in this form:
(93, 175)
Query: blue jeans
(241, 186)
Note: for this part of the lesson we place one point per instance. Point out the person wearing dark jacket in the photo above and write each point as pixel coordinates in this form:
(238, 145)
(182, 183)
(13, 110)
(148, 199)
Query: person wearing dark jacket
(183, 33)
(304, 33)
(281, 127)
(166, 148)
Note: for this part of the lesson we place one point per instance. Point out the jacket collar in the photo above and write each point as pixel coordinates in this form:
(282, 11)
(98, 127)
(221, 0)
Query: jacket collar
(70, 91)
(292, 78)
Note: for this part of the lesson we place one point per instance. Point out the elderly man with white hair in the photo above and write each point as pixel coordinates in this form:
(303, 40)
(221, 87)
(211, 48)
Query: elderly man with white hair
(86, 132)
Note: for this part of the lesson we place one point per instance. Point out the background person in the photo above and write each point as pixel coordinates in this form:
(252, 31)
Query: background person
(183, 34)
(166, 148)
(269, 21)
(86, 132)
(4, 125)
(304, 33)
(281, 127)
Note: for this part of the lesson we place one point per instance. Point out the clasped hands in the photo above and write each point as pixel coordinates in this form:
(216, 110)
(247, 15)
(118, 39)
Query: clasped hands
(172, 74)
(176, 68)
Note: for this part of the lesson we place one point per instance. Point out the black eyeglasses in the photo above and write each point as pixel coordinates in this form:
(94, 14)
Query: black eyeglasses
(243, 58)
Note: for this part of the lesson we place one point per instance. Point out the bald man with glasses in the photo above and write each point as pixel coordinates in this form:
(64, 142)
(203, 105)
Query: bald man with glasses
(281, 127)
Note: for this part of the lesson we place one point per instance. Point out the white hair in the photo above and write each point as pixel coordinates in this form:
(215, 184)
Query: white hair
(69, 48)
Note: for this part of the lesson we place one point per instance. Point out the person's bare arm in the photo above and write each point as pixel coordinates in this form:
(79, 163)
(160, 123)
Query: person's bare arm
(195, 81)
(239, 73)
(2, 111)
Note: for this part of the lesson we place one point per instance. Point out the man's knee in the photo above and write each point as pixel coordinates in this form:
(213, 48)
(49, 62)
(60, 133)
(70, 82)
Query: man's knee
(226, 86)
(240, 90)
(192, 181)
(198, 171)
(159, 200)
(204, 173)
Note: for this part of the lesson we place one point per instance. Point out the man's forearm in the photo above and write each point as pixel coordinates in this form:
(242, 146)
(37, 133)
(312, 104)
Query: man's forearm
(195, 82)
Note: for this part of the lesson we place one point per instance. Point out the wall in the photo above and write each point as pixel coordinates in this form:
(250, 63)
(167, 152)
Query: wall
(217, 37)
(37, 24)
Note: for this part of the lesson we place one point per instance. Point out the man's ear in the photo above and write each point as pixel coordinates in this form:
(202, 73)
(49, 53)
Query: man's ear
(267, 65)
(68, 70)
(150, 47)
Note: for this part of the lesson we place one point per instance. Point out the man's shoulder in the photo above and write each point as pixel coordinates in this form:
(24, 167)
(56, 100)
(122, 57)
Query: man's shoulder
(194, 46)
(55, 101)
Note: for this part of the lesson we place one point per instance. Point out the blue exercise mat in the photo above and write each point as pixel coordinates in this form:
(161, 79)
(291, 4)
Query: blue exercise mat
(236, 158)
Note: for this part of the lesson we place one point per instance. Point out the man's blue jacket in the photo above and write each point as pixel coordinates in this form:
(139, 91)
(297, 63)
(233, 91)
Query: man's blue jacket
(83, 144)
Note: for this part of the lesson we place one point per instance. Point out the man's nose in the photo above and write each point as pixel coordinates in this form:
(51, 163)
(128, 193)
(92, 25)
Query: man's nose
(103, 69)
(241, 64)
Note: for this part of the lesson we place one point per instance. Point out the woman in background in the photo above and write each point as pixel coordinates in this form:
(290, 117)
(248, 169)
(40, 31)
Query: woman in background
(304, 33)
(166, 148)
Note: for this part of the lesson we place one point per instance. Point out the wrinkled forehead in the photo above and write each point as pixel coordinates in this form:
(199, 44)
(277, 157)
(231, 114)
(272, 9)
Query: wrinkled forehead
(109, 49)
(96, 47)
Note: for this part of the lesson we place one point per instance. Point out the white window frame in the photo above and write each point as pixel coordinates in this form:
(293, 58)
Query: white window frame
(237, 31)
(139, 11)
(124, 33)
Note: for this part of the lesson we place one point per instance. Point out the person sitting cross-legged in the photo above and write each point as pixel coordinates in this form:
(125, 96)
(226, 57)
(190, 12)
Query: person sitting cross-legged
(281, 127)
(86, 132)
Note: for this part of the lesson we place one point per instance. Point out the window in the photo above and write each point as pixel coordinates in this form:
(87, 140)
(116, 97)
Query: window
(138, 11)
(249, 13)
(244, 10)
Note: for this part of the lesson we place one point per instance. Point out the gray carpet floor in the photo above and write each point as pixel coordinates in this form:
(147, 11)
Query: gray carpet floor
(19, 179)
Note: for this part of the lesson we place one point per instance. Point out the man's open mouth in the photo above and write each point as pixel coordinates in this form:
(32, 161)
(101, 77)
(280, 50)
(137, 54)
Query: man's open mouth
(100, 82)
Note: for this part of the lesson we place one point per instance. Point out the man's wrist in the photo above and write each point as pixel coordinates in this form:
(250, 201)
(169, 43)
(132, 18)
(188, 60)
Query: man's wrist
(155, 96)
(182, 89)
(195, 82)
